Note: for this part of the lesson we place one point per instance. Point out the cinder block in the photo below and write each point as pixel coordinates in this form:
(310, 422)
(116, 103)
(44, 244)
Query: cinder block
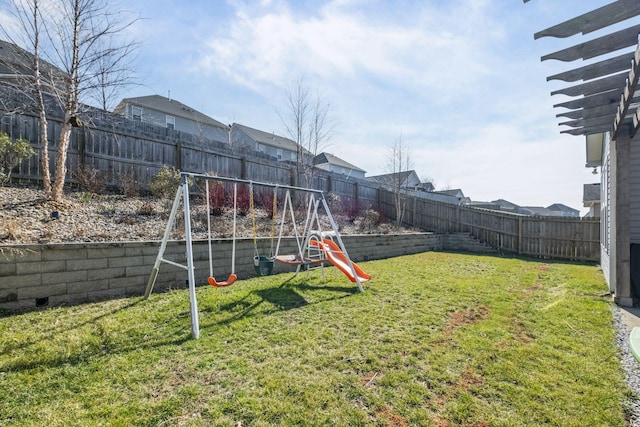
(108, 252)
(143, 249)
(41, 291)
(88, 286)
(64, 254)
(143, 270)
(7, 269)
(45, 267)
(19, 254)
(8, 295)
(21, 281)
(87, 264)
(65, 277)
(7, 255)
(123, 282)
(108, 273)
(126, 262)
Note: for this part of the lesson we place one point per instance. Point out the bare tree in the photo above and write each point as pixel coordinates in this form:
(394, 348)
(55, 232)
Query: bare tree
(84, 40)
(399, 165)
(308, 124)
(28, 71)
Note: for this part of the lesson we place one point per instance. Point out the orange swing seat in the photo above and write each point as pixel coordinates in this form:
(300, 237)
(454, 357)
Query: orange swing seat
(232, 278)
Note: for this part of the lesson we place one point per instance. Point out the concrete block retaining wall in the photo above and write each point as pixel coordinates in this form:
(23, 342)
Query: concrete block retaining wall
(34, 276)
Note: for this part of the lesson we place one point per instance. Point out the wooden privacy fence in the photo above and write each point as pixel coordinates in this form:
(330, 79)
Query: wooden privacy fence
(575, 239)
(123, 148)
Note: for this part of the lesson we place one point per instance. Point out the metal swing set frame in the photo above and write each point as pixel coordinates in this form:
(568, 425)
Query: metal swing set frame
(315, 247)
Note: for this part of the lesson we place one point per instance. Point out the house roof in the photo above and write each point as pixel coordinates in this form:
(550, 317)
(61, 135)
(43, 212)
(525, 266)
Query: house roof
(394, 178)
(15, 61)
(591, 193)
(539, 210)
(606, 100)
(505, 204)
(171, 107)
(455, 192)
(334, 160)
(271, 139)
(559, 207)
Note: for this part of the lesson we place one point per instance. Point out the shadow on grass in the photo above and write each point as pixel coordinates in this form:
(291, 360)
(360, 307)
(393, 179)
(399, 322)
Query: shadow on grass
(272, 300)
(284, 297)
(50, 333)
(92, 348)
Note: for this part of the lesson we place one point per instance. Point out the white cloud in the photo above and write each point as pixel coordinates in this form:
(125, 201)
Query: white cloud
(274, 44)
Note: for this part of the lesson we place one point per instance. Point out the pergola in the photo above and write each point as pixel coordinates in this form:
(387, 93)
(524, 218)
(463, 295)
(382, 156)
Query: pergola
(605, 108)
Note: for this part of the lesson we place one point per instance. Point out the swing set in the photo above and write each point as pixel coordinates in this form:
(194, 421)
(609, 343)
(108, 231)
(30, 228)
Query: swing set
(315, 247)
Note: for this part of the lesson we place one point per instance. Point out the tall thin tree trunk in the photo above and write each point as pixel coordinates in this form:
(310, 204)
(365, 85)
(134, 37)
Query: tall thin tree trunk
(44, 151)
(44, 137)
(61, 161)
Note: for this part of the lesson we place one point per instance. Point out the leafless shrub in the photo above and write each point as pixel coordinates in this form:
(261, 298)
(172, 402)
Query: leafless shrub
(11, 230)
(91, 179)
(370, 220)
(146, 209)
(129, 184)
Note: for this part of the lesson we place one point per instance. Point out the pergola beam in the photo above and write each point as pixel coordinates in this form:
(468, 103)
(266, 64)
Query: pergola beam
(595, 20)
(596, 47)
(595, 70)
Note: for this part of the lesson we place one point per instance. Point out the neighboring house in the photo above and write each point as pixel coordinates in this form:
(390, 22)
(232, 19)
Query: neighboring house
(244, 138)
(16, 74)
(17, 63)
(603, 107)
(331, 163)
(407, 180)
(563, 210)
(173, 115)
(457, 193)
(557, 209)
(508, 206)
(591, 199)
(537, 211)
(426, 186)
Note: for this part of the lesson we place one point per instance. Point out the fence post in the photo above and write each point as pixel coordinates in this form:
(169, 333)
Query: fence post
(82, 152)
(520, 228)
(178, 156)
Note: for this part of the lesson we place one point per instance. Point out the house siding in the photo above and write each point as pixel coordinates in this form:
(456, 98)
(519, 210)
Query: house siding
(193, 127)
(634, 194)
(243, 142)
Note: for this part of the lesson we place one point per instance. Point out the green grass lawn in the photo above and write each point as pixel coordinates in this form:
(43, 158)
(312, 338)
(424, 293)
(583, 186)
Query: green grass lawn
(437, 339)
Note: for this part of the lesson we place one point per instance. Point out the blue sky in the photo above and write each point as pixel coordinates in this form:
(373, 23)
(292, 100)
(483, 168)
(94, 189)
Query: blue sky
(460, 80)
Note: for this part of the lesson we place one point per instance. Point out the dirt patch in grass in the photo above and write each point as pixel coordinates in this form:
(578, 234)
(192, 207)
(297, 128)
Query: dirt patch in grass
(393, 419)
(467, 316)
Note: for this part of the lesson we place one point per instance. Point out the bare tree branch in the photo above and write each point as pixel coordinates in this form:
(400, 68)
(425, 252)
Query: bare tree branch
(84, 40)
(308, 124)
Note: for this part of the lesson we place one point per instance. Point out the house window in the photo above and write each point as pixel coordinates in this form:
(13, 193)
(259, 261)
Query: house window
(171, 122)
(293, 156)
(262, 148)
(279, 153)
(136, 114)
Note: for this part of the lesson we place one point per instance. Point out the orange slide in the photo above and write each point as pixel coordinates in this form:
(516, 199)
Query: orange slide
(338, 258)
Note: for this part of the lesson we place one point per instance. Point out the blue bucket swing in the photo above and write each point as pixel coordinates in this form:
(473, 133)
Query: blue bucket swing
(263, 265)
